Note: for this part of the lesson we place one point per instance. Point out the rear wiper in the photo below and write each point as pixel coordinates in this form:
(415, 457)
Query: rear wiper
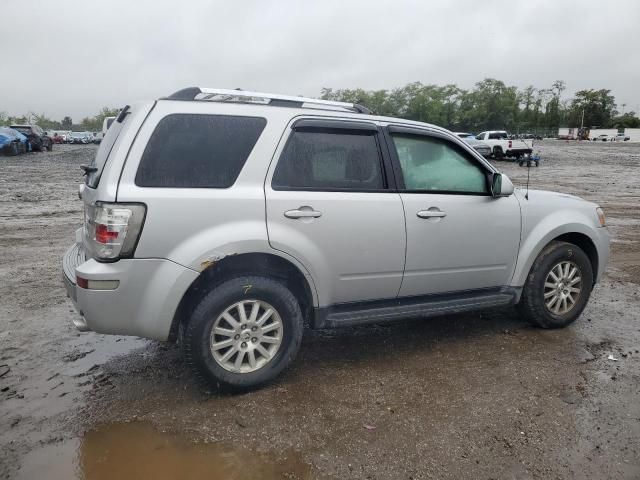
(87, 169)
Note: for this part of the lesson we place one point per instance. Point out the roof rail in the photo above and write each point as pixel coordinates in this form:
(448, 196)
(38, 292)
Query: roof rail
(242, 96)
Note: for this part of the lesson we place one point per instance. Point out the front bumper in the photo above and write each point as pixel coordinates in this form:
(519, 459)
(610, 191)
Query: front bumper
(603, 247)
(143, 304)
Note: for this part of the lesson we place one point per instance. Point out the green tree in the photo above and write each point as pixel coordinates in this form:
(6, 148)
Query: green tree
(598, 106)
(94, 124)
(628, 120)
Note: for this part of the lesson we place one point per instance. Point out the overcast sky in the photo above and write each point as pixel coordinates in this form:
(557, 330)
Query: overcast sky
(67, 57)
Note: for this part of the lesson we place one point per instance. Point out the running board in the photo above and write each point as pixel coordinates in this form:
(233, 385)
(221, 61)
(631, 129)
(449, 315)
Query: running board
(379, 311)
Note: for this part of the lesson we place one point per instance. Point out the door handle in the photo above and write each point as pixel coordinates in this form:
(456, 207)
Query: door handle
(302, 212)
(431, 214)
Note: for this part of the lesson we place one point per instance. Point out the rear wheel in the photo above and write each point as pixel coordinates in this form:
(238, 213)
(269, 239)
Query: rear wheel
(243, 333)
(558, 286)
(498, 153)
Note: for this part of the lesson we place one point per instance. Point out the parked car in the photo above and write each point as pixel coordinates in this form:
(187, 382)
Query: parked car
(481, 147)
(231, 224)
(37, 138)
(57, 138)
(81, 137)
(502, 146)
(621, 137)
(602, 138)
(98, 138)
(13, 142)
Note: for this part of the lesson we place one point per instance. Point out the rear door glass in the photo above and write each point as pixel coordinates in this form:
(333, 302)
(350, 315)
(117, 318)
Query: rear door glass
(330, 160)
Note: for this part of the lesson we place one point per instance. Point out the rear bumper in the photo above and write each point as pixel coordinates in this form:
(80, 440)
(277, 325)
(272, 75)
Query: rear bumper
(143, 304)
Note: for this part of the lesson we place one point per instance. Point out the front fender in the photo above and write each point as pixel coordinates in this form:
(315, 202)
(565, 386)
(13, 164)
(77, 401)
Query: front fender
(536, 237)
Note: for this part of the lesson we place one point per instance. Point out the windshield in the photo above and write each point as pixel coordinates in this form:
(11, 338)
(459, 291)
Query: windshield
(26, 130)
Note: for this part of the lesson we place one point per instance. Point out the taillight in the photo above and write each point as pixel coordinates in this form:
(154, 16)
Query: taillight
(510, 144)
(112, 229)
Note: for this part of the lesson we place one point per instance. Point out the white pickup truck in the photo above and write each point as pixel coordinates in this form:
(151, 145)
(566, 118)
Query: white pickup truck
(502, 146)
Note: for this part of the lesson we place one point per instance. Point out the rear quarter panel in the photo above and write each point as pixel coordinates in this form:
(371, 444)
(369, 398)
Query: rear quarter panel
(196, 227)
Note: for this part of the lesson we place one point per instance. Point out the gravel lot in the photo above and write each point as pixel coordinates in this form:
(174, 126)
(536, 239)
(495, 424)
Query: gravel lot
(469, 396)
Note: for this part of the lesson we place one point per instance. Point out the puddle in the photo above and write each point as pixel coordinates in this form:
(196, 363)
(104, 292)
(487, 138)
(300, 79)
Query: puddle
(138, 451)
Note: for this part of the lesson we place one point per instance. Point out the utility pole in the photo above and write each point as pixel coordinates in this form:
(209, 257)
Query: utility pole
(582, 121)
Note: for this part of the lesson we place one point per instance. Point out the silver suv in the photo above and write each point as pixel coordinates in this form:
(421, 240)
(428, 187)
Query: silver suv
(229, 219)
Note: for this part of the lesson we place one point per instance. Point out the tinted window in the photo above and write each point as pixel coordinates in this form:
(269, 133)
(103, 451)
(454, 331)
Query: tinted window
(198, 150)
(330, 160)
(498, 136)
(432, 164)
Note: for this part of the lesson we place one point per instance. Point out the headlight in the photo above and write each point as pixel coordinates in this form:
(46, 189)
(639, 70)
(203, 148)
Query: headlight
(601, 217)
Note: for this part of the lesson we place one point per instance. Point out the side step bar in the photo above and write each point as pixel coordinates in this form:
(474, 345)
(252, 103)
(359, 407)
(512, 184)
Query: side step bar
(379, 311)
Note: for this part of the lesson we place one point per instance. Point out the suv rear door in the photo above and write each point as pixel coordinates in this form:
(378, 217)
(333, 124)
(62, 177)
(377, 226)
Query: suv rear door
(331, 204)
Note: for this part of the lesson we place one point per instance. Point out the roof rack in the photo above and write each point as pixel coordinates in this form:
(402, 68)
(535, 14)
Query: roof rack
(242, 96)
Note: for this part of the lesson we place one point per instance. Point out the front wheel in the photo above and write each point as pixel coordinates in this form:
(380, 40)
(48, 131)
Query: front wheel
(243, 333)
(558, 286)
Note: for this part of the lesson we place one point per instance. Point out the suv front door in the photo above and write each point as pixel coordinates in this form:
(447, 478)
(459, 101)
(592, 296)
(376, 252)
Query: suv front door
(332, 206)
(459, 237)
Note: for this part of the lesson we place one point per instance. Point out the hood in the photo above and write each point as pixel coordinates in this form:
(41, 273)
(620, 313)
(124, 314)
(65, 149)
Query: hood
(552, 201)
(547, 194)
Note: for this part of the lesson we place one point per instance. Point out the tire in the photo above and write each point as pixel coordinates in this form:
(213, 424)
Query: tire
(196, 335)
(14, 150)
(546, 313)
(497, 153)
(50, 147)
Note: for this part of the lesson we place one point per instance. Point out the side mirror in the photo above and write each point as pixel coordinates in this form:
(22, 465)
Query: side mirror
(501, 186)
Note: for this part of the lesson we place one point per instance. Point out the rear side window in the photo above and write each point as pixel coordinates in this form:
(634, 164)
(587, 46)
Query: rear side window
(198, 151)
(330, 160)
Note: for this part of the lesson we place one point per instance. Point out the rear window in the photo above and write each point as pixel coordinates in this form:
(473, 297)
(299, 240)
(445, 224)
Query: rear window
(198, 151)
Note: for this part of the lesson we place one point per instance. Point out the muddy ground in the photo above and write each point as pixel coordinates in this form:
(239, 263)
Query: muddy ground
(479, 395)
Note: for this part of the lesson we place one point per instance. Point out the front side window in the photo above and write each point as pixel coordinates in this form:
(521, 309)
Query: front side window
(435, 165)
(198, 151)
(330, 160)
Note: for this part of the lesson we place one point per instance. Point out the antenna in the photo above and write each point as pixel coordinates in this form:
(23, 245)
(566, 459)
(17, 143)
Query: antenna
(529, 159)
(526, 195)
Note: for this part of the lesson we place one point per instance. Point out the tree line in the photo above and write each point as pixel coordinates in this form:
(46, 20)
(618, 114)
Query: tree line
(489, 105)
(88, 124)
(492, 105)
